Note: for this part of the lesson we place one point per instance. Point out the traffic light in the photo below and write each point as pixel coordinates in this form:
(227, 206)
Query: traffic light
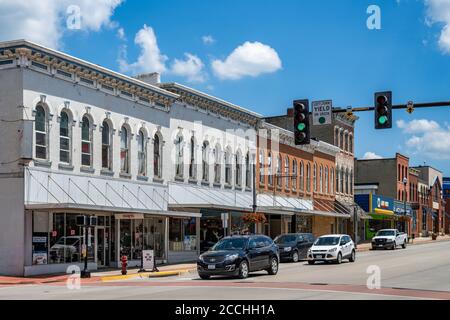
(383, 110)
(301, 122)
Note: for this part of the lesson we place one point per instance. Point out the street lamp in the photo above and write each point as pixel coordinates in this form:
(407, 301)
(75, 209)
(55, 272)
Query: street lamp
(405, 182)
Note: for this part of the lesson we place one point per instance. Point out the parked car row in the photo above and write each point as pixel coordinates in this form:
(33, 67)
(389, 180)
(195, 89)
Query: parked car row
(239, 255)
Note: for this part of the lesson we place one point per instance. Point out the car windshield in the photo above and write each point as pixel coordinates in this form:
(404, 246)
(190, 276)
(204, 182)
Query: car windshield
(383, 233)
(288, 238)
(327, 241)
(230, 244)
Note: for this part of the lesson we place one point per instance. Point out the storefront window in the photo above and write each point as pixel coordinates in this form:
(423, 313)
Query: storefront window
(67, 239)
(211, 229)
(304, 224)
(182, 234)
(125, 238)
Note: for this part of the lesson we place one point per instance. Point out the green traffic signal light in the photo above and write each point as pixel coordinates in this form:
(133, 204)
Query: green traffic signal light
(382, 120)
(301, 127)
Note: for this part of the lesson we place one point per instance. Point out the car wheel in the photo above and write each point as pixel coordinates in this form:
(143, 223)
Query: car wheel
(273, 269)
(243, 270)
(204, 277)
(404, 245)
(295, 257)
(394, 246)
(339, 258)
(352, 257)
(311, 262)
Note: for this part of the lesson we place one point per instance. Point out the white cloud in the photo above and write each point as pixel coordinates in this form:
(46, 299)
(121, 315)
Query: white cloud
(250, 59)
(208, 39)
(150, 59)
(427, 138)
(371, 156)
(45, 21)
(121, 34)
(191, 68)
(438, 11)
(417, 126)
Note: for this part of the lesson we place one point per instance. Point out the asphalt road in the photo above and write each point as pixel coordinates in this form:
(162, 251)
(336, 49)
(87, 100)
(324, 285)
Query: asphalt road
(419, 272)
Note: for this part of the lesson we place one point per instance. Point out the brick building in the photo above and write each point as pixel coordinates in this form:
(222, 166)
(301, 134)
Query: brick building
(446, 196)
(392, 179)
(287, 172)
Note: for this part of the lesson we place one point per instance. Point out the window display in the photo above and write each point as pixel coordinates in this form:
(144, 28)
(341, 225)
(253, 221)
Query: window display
(182, 234)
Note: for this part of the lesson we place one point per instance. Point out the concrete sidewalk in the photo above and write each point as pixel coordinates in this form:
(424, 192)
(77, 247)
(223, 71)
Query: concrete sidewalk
(103, 276)
(367, 246)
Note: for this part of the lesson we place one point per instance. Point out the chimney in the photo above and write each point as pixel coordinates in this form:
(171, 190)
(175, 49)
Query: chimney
(150, 78)
(290, 112)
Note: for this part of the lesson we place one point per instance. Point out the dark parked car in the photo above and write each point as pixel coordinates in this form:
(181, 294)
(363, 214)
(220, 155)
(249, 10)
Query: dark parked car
(238, 256)
(294, 246)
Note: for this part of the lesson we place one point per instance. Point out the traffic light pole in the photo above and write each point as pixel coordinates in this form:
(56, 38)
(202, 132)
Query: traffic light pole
(397, 107)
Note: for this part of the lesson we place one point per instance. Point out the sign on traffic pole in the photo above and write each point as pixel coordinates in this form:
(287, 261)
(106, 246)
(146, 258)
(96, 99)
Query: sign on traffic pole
(322, 111)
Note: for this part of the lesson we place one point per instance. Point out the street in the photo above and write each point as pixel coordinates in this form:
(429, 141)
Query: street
(419, 272)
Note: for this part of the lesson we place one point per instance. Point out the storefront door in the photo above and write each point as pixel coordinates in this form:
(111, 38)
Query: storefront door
(102, 246)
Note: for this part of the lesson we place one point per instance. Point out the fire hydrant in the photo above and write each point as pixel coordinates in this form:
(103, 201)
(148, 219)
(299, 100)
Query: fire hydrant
(124, 261)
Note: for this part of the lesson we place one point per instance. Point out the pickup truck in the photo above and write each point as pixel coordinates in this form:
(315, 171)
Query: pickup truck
(389, 239)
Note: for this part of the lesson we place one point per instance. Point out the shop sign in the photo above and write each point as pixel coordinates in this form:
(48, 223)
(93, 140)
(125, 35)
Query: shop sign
(39, 258)
(129, 216)
(39, 240)
(435, 205)
(149, 256)
(383, 203)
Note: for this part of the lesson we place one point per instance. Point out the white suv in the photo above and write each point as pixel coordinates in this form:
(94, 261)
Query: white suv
(335, 248)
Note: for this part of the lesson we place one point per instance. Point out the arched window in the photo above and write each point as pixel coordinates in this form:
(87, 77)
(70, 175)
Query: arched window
(179, 163)
(345, 148)
(124, 150)
(346, 181)
(338, 177)
(278, 173)
(302, 176)
(350, 143)
(157, 154)
(321, 179)
(238, 178)
(287, 170)
(326, 180)
(192, 164)
(228, 167)
(332, 181)
(294, 174)
(351, 183)
(248, 175)
(315, 178)
(308, 178)
(270, 169)
(399, 173)
(341, 139)
(336, 137)
(106, 146)
(217, 166)
(205, 161)
(142, 154)
(65, 139)
(41, 133)
(261, 168)
(86, 142)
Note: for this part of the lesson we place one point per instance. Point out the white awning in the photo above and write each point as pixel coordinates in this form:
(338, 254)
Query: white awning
(192, 196)
(96, 209)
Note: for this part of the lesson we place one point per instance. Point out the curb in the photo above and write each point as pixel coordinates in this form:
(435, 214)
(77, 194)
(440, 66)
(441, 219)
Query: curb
(159, 274)
(410, 244)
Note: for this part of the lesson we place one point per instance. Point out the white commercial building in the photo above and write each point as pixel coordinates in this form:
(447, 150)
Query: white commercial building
(78, 139)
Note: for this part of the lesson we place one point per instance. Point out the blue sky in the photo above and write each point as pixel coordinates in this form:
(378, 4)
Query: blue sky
(316, 49)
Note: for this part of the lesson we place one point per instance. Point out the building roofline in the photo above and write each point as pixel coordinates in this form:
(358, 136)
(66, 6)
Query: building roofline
(210, 97)
(22, 43)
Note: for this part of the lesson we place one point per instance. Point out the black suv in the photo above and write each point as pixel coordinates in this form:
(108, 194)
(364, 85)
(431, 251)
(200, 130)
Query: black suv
(238, 256)
(294, 246)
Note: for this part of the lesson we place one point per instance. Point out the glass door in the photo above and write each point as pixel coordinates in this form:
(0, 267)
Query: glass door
(101, 246)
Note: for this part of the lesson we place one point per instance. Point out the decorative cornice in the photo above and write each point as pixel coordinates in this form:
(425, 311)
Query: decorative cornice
(211, 104)
(28, 52)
